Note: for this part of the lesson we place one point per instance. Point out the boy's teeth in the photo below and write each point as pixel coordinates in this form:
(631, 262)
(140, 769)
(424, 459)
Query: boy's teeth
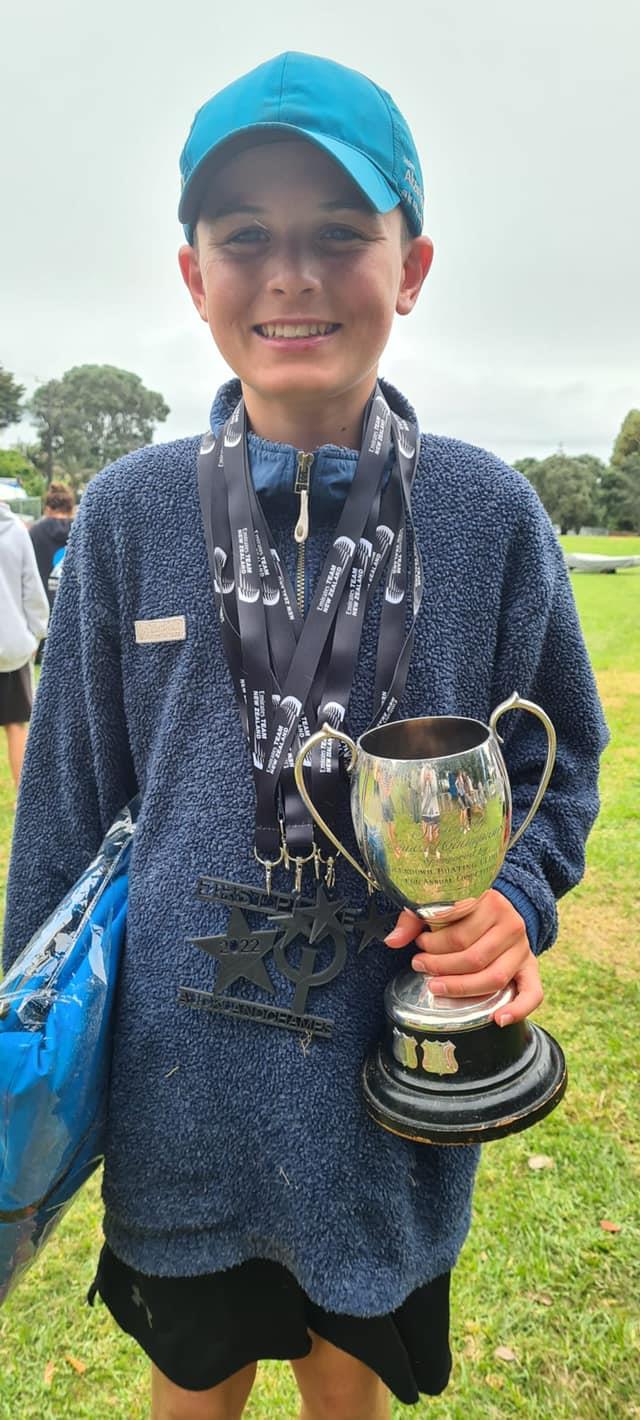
(291, 332)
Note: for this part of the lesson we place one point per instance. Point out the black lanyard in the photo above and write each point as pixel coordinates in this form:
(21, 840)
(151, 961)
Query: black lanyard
(292, 674)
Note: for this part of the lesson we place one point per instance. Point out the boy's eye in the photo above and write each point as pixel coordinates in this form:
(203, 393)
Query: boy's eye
(340, 233)
(247, 236)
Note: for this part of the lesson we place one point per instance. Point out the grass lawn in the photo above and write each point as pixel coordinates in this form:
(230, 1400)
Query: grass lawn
(539, 1274)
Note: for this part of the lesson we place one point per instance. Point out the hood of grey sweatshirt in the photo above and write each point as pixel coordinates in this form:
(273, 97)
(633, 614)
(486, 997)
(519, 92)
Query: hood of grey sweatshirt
(24, 607)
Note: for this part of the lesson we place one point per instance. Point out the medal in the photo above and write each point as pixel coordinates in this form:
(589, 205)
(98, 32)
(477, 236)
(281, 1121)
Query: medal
(242, 953)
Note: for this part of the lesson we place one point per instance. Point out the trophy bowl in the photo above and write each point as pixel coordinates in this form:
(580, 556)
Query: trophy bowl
(431, 811)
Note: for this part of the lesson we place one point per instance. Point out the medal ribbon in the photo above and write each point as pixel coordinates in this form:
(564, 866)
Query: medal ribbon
(291, 674)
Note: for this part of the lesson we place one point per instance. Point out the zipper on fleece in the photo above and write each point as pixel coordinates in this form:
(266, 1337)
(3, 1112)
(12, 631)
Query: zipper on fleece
(301, 530)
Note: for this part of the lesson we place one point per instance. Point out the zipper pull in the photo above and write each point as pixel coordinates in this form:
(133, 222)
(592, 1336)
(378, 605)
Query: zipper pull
(303, 479)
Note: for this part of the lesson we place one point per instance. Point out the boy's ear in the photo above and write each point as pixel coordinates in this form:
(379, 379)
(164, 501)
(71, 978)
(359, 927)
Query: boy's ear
(417, 262)
(189, 264)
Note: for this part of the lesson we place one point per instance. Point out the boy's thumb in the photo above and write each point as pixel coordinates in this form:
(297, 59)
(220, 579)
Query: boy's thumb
(407, 928)
(396, 938)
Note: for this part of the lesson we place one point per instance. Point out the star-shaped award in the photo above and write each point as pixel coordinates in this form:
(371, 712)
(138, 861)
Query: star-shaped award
(239, 953)
(374, 927)
(315, 922)
(293, 924)
(325, 919)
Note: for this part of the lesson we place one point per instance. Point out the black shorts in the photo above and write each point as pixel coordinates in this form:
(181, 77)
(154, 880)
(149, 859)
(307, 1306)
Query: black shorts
(200, 1330)
(16, 696)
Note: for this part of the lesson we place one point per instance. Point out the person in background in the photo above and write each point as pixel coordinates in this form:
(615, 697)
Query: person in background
(50, 534)
(430, 809)
(25, 616)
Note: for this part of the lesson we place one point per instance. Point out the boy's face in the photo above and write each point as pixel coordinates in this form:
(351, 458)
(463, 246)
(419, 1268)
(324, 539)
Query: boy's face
(286, 242)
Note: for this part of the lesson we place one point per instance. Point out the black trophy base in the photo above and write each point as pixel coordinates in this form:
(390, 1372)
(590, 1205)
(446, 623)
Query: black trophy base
(438, 1109)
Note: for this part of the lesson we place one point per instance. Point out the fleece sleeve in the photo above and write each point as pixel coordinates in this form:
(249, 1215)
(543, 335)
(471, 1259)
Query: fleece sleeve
(78, 769)
(542, 655)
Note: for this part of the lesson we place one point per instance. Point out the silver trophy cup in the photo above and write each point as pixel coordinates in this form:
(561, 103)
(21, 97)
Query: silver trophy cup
(431, 811)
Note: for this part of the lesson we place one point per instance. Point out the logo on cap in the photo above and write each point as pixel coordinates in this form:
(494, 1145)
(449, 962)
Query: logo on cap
(411, 179)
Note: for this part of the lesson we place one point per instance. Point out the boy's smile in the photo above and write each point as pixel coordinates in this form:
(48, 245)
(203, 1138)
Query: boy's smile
(299, 279)
(301, 332)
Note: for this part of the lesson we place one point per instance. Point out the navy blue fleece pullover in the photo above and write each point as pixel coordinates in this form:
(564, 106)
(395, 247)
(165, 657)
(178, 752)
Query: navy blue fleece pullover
(228, 1139)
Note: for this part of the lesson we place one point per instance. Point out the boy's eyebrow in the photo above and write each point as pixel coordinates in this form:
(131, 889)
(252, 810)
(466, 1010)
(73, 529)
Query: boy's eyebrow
(230, 208)
(337, 204)
(346, 204)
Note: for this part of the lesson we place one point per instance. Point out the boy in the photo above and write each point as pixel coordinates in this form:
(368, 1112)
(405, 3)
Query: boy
(252, 1207)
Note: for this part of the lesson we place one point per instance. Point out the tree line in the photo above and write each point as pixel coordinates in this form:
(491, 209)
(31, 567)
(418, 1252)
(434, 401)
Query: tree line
(584, 492)
(96, 413)
(91, 416)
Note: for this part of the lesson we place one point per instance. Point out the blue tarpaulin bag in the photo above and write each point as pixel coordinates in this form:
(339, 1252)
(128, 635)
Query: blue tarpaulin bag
(55, 1050)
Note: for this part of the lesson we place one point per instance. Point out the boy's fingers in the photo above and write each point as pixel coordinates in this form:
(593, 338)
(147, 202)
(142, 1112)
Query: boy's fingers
(477, 983)
(454, 937)
(459, 936)
(478, 957)
(407, 928)
(491, 913)
(529, 994)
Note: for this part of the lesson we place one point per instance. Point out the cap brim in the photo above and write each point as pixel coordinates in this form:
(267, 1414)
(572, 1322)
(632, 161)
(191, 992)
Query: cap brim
(366, 176)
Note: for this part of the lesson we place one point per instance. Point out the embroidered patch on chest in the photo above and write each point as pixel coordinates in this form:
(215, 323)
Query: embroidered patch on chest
(161, 628)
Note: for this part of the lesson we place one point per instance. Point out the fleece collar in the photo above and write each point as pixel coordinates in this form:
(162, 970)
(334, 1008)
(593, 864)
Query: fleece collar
(273, 466)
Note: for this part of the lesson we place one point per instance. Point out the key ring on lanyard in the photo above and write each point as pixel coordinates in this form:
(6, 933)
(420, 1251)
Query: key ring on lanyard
(329, 865)
(298, 864)
(268, 864)
(298, 861)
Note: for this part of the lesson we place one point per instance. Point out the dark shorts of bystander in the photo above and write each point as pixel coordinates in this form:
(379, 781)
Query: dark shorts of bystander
(16, 695)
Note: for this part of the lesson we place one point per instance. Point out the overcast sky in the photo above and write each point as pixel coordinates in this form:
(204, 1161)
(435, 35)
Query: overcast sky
(527, 119)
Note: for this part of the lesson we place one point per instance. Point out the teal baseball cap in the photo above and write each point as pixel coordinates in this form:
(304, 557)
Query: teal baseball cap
(342, 111)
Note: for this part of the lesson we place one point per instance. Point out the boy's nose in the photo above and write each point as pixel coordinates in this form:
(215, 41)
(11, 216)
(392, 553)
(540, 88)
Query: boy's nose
(293, 272)
(282, 286)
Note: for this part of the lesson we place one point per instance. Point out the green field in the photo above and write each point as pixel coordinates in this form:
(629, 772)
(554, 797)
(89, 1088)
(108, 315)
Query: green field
(539, 1275)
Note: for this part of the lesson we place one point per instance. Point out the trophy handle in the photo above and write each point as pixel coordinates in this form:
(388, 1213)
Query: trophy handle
(515, 703)
(328, 732)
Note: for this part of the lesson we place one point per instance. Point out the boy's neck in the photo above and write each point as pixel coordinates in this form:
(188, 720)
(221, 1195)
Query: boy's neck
(308, 425)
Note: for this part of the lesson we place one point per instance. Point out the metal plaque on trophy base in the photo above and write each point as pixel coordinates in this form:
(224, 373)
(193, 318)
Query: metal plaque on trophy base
(431, 810)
